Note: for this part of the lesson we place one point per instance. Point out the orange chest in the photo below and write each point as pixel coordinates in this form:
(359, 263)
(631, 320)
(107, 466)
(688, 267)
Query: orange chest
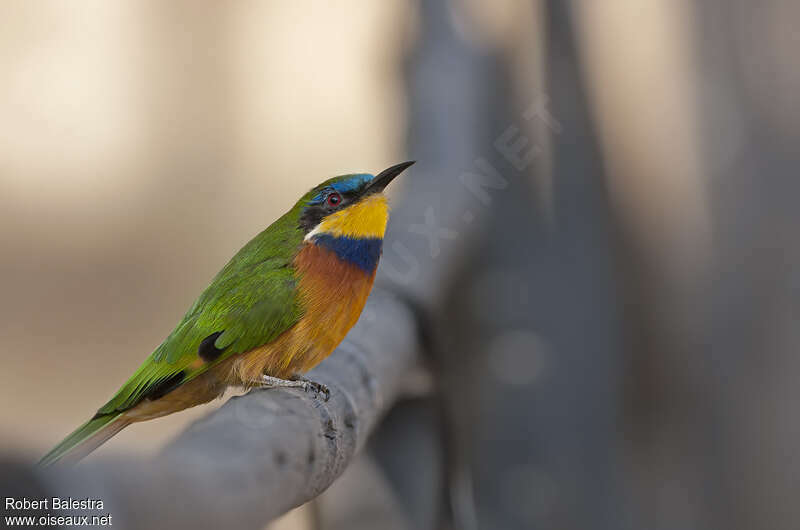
(333, 293)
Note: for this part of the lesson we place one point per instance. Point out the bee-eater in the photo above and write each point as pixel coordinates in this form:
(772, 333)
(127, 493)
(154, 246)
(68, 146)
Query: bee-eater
(279, 307)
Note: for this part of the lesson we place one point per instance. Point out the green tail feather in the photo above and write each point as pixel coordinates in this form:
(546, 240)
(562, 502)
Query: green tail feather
(80, 436)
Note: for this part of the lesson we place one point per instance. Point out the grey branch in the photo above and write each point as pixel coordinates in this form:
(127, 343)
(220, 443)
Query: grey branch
(263, 453)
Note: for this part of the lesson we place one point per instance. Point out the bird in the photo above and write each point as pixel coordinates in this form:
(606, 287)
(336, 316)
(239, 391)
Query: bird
(278, 308)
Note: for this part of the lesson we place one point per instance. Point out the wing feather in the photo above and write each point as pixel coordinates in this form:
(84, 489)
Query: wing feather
(247, 309)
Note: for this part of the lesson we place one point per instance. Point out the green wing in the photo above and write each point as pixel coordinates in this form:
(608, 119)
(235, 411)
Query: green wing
(250, 302)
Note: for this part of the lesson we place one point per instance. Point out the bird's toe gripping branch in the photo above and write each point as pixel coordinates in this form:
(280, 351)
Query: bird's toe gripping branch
(297, 381)
(318, 388)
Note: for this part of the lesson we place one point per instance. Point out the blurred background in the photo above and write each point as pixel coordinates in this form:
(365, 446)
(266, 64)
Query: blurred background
(600, 234)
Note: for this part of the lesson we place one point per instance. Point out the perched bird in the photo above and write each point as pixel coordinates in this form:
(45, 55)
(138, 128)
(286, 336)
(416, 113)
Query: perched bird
(279, 307)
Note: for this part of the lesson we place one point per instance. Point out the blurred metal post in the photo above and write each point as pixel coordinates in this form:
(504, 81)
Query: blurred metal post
(525, 331)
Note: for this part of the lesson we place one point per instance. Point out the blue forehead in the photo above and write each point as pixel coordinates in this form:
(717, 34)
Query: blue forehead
(351, 182)
(345, 184)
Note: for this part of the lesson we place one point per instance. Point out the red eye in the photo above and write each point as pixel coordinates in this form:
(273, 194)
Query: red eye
(334, 199)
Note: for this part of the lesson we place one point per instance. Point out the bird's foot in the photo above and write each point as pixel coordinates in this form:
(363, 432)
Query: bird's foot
(318, 388)
(297, 381)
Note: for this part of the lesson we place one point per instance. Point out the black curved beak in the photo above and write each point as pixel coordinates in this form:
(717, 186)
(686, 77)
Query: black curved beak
(383, 178)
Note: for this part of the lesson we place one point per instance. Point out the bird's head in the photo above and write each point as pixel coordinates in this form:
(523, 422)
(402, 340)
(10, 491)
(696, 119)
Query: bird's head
(350, 206)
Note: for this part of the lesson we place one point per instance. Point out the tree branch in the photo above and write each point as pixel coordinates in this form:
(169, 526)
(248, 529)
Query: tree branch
(263, 453)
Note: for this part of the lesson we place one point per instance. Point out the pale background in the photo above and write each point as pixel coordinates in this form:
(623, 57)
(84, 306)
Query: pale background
(141, 144)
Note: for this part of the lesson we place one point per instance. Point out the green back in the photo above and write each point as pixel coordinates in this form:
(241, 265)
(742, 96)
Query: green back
(251, 301)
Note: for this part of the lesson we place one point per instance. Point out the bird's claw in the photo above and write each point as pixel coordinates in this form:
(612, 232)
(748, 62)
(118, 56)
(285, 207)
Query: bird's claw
(317, 388)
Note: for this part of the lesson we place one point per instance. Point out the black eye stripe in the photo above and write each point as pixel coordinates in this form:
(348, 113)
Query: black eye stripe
(314, 212)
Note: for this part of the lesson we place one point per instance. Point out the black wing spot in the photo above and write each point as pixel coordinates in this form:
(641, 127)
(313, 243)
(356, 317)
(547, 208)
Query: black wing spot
(165, 386)
(207, 351)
